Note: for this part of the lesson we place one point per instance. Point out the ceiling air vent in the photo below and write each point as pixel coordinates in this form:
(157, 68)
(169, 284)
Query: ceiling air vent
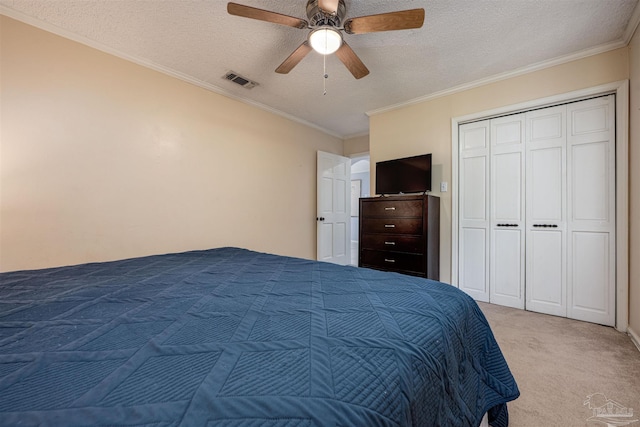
(238, 79)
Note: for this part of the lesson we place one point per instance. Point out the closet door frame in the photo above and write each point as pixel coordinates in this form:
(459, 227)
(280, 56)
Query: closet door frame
(621, 90)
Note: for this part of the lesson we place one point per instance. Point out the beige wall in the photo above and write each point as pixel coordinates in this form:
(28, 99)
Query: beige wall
(357, 145)
(102, 159)
(634, 185)
(426, 127)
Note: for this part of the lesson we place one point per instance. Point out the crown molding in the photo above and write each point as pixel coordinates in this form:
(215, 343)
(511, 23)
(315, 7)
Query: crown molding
(356, 135)
(51, 28)
(503, 76)
(632, 26)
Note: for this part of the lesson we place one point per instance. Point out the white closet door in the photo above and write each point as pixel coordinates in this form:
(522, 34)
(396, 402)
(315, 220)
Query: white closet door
(591, 195)
(546, 211)
(473, 274)
(507, 260)
(537, 210)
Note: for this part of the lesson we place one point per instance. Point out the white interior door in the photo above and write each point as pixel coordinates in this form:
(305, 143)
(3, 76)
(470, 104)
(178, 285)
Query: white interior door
(591, 224)
(546, 211)
(334, 208)
(473, 274)
(507, 247)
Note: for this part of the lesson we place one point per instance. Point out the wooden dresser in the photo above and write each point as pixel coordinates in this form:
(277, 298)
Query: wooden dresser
(401, 233)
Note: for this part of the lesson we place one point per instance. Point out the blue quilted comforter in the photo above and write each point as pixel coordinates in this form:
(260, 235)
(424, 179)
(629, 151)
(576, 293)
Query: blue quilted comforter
(231, 337)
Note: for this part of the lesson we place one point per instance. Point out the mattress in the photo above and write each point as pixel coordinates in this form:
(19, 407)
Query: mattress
(232, 337)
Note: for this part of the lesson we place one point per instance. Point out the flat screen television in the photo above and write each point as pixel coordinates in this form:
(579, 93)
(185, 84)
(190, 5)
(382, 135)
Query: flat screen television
(406, 175)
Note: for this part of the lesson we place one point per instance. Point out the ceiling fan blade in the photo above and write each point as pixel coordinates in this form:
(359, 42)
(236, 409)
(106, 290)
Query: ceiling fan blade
(294, 58)
(330, 6)
(351, 61)
(265, 15)
(401, 20)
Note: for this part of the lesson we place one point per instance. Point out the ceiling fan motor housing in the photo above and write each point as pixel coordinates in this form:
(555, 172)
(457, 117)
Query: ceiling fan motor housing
(318, 17)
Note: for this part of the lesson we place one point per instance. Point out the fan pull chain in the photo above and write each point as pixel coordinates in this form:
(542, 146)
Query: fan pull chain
(326, 76)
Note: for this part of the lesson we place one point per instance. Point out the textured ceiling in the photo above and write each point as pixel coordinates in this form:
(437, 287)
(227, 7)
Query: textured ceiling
(462, 41)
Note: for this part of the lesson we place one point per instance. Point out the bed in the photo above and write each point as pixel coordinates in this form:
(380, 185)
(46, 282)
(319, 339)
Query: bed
(232, 337)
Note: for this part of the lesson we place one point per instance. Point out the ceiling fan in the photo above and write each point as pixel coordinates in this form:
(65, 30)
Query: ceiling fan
(326, 21)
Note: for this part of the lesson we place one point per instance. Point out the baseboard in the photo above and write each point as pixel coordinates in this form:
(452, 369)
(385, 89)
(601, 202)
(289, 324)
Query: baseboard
(634, 337)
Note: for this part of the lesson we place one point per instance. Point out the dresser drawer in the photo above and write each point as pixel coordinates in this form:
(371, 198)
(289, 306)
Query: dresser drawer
(391, 208)
(392, 225)
(392, 242)
(392, 261)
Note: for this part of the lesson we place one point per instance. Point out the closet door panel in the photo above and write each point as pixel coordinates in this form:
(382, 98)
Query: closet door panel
(507, 187)
(507, 131)
(507, 274)
(473, 255)
(546, 124)
(473, 262)
(591, 210)
(590, 176)
(546, 214)
(592, 116)
(474, 136)
(590, 253)
(507, 262)
(474, 188)
(546, 184)
(545, 272)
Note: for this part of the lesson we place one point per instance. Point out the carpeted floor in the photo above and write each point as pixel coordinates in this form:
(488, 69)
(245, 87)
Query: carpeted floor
(558, 363)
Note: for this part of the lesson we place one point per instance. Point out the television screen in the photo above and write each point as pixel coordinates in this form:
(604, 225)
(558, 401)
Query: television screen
(407, 175)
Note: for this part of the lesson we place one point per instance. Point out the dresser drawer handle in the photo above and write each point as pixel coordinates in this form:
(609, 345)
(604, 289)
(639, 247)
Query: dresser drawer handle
(389, 260)
(389, 226)
(390, 209)
(390, 243)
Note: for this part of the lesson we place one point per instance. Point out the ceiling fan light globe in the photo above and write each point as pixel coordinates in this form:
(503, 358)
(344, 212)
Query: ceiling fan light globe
(325, 40)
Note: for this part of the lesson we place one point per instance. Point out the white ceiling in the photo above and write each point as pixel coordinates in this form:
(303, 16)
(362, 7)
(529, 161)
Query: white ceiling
(463, 42)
